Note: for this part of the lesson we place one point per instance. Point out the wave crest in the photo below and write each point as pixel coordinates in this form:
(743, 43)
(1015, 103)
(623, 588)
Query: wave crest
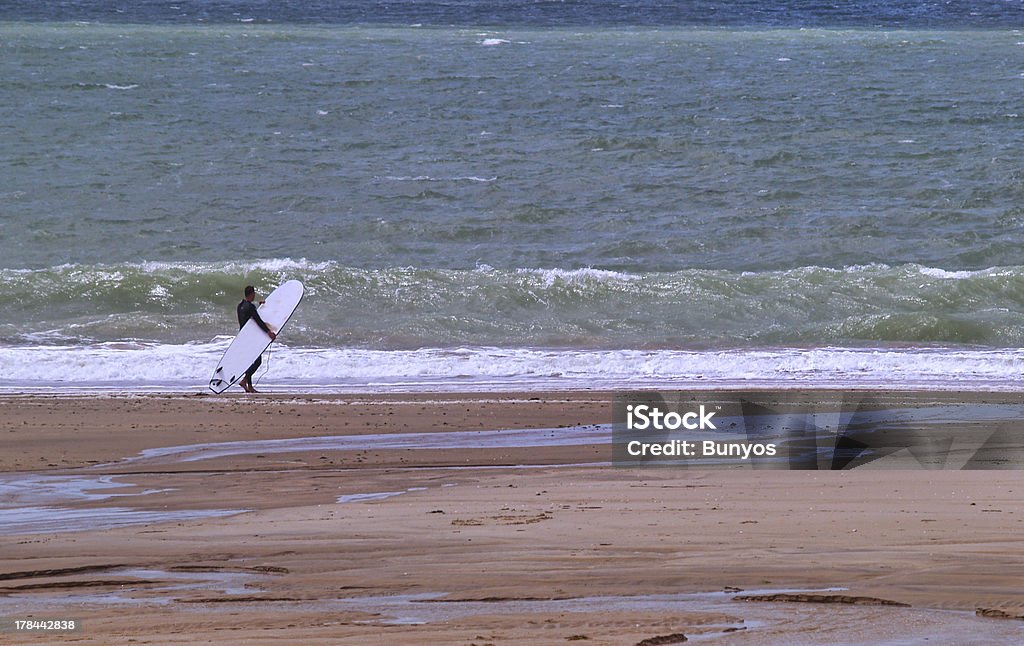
(407, 307)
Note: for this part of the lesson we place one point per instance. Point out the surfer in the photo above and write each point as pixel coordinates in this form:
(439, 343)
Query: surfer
(246, 311)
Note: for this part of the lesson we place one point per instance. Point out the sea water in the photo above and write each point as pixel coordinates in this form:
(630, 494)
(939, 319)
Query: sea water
(514, 194)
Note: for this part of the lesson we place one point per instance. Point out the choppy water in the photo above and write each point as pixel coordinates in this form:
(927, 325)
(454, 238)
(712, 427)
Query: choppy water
(574, 176)
(406, 308)
(914, 13)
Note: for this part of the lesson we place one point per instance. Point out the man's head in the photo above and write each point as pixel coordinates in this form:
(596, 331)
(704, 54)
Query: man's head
(250, 293)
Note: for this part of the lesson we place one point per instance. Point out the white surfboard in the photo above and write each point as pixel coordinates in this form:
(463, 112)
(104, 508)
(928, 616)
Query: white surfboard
(251, 340)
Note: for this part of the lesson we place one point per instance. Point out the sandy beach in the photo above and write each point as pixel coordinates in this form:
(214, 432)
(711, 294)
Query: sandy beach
(183, 518)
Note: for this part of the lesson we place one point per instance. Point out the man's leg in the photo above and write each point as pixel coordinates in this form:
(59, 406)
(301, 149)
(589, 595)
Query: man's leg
(247, 379)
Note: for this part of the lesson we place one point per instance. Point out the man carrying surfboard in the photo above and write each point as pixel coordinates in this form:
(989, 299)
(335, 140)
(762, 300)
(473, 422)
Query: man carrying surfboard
(246, 311)
(258, 330)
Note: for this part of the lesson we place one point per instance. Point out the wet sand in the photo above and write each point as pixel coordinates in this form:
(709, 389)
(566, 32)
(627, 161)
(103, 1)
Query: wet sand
(171, 519)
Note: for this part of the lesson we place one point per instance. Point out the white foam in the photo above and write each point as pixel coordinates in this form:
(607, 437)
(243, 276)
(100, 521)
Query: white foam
(144, 367)
(428, 178)
(553, 276)
(234, 267)
(114, 272)
(935, 272)
(158, 292)
(493, 42)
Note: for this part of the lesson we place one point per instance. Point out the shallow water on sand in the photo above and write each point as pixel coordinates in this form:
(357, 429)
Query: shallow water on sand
(39, 504)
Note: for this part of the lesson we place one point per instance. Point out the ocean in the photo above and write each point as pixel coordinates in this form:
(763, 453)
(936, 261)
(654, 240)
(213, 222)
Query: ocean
(514, 195)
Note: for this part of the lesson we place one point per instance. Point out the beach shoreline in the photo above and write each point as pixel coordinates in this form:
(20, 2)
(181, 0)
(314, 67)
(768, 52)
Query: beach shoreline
(250, 537)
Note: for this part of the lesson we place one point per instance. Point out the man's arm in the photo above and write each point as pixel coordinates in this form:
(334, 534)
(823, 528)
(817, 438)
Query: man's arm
(263, 326)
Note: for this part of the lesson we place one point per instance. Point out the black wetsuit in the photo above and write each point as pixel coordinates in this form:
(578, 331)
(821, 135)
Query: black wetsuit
(247, 310)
